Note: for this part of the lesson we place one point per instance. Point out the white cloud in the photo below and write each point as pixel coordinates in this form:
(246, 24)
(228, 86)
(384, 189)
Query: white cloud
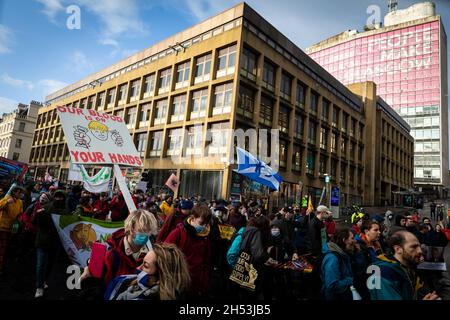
(39, 88)
(79, 62)
(6, 39)
(203, 9)
(48, 86)
(7, 105)
(18, 83)
(129, 52)
(116, 18)
(51, 8)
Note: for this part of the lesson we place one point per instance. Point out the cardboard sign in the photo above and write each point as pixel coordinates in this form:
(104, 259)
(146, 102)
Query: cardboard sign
(97, 138)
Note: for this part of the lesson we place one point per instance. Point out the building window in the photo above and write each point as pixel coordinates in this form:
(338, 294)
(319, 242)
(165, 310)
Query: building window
(246, 102)
(140, 143)
(283, 119)
(344, 122)
(352, 150)
(219, 139)
(283, 153)
(91, 102)
(194, 140)
(322, 165)
(285, 90)
(144, 115)
(130, 118)
(296, 159)
(314, 103)
(248, 64)
(199, 102)
(299, 123)
(310, 162)
(335, 119)
(227, 60)
(334, 164)
(351, 176)
(160, 112)
(19, 143)
(312, 132)
(203, 69)
(16, 156)
(178, 108)
(352, 127)
(22, 127)
(164, 81)
(334, 142)
(122, 93)
(300, 97)
(119, 113)
(268, 76)
(149, 86)
(323, 138)
(101, 101)
(111, 96)
(266, 111)
(361, 131)
(83, 103)
(325, 109)
(183, 75)
(156, 144)
(134, 90)
(175, 137)
(343, 171)
(343, 147)
(222, 99)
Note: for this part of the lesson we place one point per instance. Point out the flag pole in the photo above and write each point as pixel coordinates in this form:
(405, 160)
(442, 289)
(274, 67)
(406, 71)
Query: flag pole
(123, 187)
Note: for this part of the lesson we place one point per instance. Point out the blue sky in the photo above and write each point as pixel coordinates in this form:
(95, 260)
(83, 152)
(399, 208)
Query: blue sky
(39, 54)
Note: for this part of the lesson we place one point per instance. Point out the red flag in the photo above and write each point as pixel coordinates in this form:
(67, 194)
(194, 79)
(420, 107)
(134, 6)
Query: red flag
(173, 182)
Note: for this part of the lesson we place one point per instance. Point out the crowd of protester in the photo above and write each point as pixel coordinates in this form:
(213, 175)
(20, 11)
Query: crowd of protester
(187, 247)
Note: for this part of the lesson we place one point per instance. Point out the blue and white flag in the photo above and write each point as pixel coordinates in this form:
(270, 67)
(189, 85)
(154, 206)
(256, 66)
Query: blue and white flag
(257, 170)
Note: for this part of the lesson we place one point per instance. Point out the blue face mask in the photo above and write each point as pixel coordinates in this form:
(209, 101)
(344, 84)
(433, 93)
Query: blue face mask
(200, 229)
(140, 239)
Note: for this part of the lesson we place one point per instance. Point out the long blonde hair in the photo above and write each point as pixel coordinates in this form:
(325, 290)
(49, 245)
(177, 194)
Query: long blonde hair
(174, 279)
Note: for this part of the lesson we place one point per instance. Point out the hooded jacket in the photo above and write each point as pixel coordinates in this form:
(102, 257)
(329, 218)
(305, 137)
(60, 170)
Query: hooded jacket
(397, 282)
(170, 223)
(197, 250)
(336, 274)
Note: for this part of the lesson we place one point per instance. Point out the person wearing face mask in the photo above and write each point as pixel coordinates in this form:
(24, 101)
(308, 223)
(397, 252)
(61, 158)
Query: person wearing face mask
(282, 250)
(47, 241)
(164, 275)
(127, 246)
(193, 238)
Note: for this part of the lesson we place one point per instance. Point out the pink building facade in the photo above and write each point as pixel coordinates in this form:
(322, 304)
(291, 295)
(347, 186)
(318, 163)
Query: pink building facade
(408, 62)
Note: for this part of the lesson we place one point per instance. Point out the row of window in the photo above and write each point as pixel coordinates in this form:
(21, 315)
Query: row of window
(390, 170)
(128, 93)
(171, 50)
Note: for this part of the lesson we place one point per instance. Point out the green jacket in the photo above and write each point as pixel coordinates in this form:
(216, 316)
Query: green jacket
(396, 282)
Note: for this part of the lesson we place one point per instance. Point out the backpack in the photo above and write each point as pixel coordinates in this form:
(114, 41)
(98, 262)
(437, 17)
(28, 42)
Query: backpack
(235, 248)
(316, 279)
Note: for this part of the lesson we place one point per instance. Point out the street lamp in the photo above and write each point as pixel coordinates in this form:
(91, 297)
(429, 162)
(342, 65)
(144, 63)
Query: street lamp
(327, 184)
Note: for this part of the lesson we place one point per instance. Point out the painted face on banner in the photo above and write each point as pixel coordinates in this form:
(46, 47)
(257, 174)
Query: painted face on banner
(100, 135)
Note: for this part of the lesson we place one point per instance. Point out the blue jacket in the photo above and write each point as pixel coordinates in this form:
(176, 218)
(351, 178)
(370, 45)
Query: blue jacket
(395, 282)
(235, 248)
(336, 274)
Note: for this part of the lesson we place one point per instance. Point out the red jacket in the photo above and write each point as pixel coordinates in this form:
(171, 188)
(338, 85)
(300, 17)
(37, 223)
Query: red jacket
(119, 210)
(330, 227)
(117, 263)
(170, 223)
(197, 251)
(101, 209)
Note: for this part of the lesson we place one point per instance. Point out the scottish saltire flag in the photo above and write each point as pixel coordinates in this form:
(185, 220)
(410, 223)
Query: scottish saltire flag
(256, 170)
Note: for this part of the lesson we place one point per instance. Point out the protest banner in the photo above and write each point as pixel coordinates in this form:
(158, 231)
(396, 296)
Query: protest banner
(97, 138)
(78, 233)
(100, 139)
